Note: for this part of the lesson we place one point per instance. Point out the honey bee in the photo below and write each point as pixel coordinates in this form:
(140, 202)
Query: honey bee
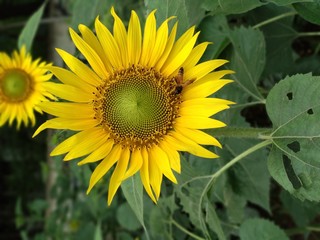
(180, 83)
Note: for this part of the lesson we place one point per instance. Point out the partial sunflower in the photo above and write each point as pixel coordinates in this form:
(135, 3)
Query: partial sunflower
(22, 87)
(141, 101)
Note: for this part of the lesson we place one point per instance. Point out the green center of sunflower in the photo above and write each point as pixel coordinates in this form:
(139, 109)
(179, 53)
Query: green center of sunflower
(137, 106)
(15, 86)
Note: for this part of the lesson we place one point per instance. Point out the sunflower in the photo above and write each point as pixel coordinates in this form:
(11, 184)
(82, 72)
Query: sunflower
(22, 87)
(141, 100)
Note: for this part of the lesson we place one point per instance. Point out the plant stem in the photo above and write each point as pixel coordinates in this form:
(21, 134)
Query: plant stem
(186, 231)
(270, 20)
(302, 230)
(254, 133)
(308, 34)
(239, 157)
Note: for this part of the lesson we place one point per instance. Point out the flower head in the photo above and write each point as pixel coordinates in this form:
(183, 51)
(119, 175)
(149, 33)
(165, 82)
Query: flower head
(22, 87)
(141, 100)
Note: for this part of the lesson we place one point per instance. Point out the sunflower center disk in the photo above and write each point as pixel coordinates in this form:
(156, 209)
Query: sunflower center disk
(15, 86)
(137, 105)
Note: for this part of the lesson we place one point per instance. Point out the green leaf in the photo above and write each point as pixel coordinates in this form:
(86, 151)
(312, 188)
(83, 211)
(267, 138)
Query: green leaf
(261, 229)
(214, 29)
(127, 218)
(309, 11)
(301, 212)
(29, 30)
(19, 216)
(249, 178)
(294, 109)
(98, 235)
(84, 12)
(193, 198)
(248, 58)
(287, 2)
(133, 192)
(188, 12)
(279, 36)
(230, 6)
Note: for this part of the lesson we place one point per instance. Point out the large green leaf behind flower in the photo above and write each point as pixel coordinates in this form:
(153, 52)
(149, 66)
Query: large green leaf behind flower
(294, 108)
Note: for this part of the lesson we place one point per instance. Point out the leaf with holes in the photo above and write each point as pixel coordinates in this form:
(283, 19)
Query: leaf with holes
(294, 108)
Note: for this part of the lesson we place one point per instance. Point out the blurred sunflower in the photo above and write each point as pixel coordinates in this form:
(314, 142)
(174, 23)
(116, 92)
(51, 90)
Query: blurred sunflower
(143, 99)
(22, 87)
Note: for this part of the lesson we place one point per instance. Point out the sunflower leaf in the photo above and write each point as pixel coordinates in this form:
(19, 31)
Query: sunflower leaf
(214, 29)
(261, 229)
(279, 36)
(309, 11)
(192, 194)
(84, 11)
(127, 218)
(189, 12)
(248, 178)
(29, 30)
(230, 6)
(133, 192)
(294, 109)
(248, 58)
(287, 2)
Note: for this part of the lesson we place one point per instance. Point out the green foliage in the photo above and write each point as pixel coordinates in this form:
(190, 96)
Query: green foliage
(271, 51)
(261, 229)
(293, 161)
(309, 10)
(29, 31)
(188, 12)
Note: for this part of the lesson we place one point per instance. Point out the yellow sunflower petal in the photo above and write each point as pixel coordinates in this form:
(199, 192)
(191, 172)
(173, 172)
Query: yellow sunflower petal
(175, 62)
(158, 156)
(155, 176)
(68, 92)
(204, 90)
(173, 156)
(199, 136)
(104, 166)
(144, 174)
(168, 48)
(135, 163)
(195, 55)
(85, 147)
(193, 147)
(72, 79)
(91, 56)
(118, 174)
(204, 107)
(134, 39)
(98, 154)
(79, 68)
(202, 69)
(179, 45)
(195, 122)
(92, 40)
(68, 144)
(120, 35)
(71, 124)
(108, 44)
(5, 60)
(68, 110)
(149, 36)
(160, 43)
